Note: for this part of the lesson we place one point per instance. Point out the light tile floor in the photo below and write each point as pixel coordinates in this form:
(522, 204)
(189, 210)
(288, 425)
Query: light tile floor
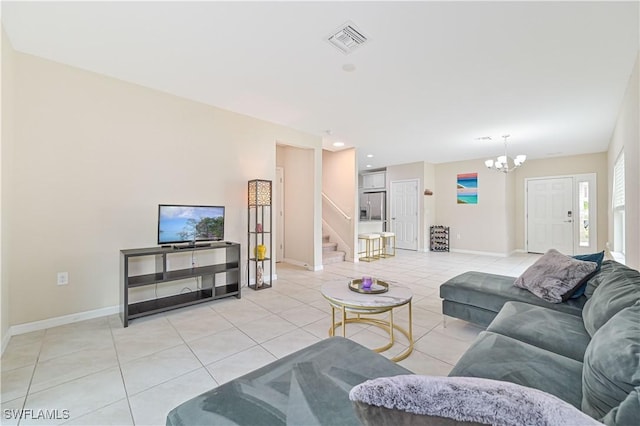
(104, 374)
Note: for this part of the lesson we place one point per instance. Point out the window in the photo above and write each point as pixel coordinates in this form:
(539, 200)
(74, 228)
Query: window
(583, 212)
(618, 205)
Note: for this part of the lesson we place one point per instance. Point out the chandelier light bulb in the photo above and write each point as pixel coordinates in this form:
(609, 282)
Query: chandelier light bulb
(501, 163)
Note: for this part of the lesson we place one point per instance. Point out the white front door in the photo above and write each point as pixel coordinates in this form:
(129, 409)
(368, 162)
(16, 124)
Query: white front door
(550, 215)
(404, 213)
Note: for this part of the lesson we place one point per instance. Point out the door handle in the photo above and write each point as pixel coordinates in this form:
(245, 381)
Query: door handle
(569, 221)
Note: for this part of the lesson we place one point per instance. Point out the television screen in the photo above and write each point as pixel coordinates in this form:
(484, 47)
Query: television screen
(182, 224)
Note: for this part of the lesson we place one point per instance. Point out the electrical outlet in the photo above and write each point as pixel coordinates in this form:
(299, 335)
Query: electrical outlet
(63, 278)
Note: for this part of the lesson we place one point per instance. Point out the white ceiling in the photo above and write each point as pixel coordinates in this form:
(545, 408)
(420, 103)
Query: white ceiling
(433, 77)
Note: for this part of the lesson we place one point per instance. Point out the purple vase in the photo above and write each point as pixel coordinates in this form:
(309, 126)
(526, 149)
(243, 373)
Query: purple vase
(367, 282)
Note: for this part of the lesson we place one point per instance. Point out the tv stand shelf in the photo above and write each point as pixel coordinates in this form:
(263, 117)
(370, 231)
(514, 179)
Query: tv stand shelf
(229, 267)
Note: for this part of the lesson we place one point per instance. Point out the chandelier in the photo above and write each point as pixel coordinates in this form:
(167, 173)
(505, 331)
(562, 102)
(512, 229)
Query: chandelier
(504, 163)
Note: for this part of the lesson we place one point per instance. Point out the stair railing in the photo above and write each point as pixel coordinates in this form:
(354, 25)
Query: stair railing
(335, 206)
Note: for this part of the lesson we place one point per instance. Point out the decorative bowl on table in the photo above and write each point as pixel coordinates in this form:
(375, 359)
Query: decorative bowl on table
(368, 285)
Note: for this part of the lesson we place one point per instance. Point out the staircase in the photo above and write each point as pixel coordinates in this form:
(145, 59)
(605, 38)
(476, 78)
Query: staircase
(330, 253)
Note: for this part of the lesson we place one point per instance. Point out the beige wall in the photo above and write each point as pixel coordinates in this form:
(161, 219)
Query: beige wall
(563, 166)
(299, 204)
(6, 144)
(340, 184)
(627, 136)
(93, 157)
(429, 215)
(481, 227)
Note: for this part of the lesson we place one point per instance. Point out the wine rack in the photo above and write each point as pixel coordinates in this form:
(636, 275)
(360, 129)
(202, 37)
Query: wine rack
(439, 238)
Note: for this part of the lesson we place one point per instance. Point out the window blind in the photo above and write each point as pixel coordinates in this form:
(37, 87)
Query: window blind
(618, 182)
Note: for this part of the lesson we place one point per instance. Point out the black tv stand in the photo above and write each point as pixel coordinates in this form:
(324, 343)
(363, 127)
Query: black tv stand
(226, 267)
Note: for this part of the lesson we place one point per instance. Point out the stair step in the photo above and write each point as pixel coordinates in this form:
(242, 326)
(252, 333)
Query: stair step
(333, 257)
(329, 247)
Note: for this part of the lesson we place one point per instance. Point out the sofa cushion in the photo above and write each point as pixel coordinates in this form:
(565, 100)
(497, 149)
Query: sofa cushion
(554, 331)
(627, 413)
(498, 357)
(617, 287)
(609, 271)
(612, 363)
(593, 257)
(491, 292)
(467, 399)
(555, 276)
(310, 386)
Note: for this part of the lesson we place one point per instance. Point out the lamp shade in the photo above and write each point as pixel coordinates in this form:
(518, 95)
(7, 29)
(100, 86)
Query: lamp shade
(259, 193)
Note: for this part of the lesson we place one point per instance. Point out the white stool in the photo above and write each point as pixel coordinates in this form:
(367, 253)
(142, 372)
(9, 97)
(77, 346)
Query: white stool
(388, 239)
(371, 252)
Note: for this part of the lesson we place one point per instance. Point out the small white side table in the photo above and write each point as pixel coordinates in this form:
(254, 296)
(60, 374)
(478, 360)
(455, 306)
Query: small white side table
(340, 297)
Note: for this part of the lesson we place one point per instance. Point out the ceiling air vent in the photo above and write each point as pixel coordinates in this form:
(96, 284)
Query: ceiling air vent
(347, 38)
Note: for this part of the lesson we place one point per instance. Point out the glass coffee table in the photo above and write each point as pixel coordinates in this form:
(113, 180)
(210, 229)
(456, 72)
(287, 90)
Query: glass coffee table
(347, 301)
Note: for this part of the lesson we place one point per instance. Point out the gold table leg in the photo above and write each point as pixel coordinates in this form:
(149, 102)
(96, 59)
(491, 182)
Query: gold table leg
(389, 326)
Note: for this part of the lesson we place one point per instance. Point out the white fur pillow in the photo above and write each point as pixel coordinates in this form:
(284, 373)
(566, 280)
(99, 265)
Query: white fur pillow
(469, 399)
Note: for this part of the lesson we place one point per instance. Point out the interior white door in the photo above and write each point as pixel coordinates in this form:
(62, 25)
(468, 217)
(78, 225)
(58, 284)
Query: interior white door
(550, 215)
(404, 213)
(279, 213)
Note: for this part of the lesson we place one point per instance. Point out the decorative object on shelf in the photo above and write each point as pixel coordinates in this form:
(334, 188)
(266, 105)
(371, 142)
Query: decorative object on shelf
(260, 276)
(368, 285)
(467, 188)
(504, 163)
(428, 192)
(259, 236)
(260, 251)
(439, 238)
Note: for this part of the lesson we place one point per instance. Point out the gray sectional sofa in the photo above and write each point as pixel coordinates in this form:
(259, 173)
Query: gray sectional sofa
(585, 351)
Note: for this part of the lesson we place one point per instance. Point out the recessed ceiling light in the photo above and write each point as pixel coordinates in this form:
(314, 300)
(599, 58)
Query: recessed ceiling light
(369, 155)
(338, 143)
(368, 166)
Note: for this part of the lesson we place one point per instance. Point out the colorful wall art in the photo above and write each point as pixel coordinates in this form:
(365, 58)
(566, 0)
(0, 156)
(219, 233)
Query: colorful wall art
(468, 188)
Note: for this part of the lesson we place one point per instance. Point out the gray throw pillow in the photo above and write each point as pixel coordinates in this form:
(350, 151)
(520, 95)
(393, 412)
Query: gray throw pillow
(554, 277)
(611, 368)
(468, 399)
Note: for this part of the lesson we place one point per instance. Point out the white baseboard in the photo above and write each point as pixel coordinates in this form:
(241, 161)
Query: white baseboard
(252, 281)
(65, 319)
(303, 264)
(481, 253)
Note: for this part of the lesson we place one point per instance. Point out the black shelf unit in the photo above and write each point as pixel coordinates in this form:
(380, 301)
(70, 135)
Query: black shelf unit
(439, 238)
(260, 225)
(229, 267)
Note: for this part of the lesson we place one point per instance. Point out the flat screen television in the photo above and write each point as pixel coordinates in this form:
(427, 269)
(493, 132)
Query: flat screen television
(188, 224)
